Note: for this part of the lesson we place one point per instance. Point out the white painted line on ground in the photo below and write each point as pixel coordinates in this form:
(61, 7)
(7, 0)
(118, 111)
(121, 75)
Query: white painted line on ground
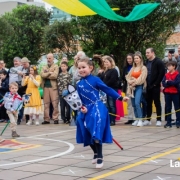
(70, 171)
(71, 148)
(59, 132)
(159, 178)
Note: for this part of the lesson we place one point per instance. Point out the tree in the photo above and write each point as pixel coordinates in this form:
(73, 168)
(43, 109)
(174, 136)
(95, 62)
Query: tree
(103, 36)
(60, 35)
(28, 24)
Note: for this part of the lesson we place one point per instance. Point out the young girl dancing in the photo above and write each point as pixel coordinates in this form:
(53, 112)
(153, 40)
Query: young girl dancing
(34, 106)
(93, 123)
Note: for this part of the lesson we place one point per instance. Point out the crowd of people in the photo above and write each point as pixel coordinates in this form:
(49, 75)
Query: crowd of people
(97, 81)
(142, 83)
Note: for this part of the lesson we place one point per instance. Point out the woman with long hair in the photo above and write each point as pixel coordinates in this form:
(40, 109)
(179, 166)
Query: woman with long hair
(111, 79)
(34, 106)
(136, 80)
(127, 67)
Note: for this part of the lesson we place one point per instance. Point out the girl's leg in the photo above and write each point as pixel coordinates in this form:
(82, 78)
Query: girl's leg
(30, 119)
(99, 155)
(93, 147)
(37, 120)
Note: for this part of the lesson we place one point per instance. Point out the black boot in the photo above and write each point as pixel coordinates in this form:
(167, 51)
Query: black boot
(129, 122)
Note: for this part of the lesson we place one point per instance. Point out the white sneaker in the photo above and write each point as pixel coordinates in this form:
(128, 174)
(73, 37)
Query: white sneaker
(29, 123)
(146, 123)
(99, 166)
(140, 123)
(158, 123)
(135, 123)
(37, 123)
(94, 161)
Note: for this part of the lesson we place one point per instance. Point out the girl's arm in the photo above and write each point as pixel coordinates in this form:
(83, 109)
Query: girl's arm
(142, 78)
(37, 81)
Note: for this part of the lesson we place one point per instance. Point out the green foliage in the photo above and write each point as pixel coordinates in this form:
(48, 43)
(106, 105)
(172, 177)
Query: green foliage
(60, 35)
(27, 24)
(103, 36)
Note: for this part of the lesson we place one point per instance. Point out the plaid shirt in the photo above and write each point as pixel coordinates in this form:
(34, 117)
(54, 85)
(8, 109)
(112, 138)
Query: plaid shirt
(63, 81)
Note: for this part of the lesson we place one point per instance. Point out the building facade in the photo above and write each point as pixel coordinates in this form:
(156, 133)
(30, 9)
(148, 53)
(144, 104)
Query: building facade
(59, 15)
(9, 5)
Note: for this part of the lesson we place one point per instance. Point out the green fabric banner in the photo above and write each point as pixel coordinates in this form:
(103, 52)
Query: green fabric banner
(102, 8)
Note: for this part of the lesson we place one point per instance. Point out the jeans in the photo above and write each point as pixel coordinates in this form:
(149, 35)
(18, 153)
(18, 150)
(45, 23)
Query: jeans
(65, 109)
(169, 99)
(111, 105)
(136, 101)
(153, 95)
(144, 106)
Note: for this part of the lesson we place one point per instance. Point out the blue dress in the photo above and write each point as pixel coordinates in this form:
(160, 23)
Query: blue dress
(95, 124)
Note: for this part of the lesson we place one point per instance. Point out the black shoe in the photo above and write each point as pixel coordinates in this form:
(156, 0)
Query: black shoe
(167, 126)
(177, 124)
(45, 122)
(112, 124)
(56, 122)
(129, 122)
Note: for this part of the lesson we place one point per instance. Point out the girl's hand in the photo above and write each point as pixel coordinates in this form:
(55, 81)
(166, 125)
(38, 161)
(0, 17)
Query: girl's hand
(125, 99)
(83, 109)
(31, 76)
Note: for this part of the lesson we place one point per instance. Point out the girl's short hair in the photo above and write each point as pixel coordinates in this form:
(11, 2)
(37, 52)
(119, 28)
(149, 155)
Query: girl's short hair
(86, 60)
(111, 60)
(13, 84)
(35, 69)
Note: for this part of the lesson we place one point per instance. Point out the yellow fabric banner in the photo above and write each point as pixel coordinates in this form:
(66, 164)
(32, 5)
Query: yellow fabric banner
(73, 7)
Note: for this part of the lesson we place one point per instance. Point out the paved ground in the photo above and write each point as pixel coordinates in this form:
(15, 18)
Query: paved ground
(50, 152)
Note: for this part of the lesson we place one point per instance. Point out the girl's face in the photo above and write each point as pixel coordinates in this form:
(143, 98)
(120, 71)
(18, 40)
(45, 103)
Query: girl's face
(129, 60)
(137, 60)
(84, 69)
(31, 71)
(107, 64)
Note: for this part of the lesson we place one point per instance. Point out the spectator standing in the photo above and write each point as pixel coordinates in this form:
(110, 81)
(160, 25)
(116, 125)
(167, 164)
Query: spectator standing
(49, 76)
(136, 80)
(155, 75)
(4, 87)
(25, 63)
(171, 83)
(64, 78)
(15, 72)
(128, 65)
(34, 107)
(110, 78)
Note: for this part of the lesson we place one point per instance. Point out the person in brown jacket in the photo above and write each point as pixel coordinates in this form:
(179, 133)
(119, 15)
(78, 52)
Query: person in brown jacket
(49, 75)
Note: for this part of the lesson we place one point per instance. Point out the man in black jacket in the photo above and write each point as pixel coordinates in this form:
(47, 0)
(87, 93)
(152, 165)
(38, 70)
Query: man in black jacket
(155, 75)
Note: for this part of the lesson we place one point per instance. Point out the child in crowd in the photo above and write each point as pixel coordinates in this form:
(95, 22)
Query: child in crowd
(171, 82)
(13, 102)
(93, 122)
(34, 106)
(64, 78)
(4, 87)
